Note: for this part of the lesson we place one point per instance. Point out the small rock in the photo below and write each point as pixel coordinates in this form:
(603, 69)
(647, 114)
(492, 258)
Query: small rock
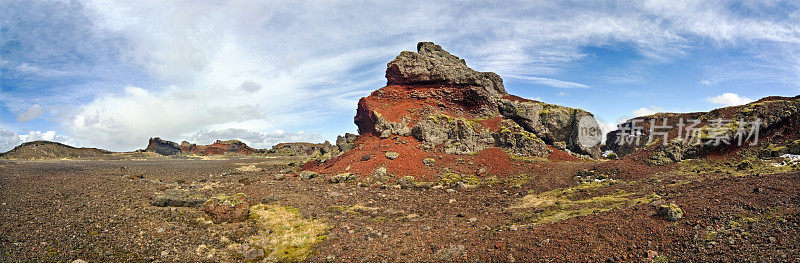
(251, 253)
(472, 220)
(79, 261)
(279, 177)
(651, 254)
(772, 240)
(164, 253)
(429, 161)
(224, 208)
(481, 171)
(392, 155)
(341, 178)
(449, 190)
(513, 228)
(758, 190)
(453, 253)
(178, 197)
(365, 158)
(670, 212)
(406, 182)
(308, 175)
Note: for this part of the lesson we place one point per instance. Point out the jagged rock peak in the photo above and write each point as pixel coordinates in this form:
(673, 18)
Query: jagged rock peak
(433, 65)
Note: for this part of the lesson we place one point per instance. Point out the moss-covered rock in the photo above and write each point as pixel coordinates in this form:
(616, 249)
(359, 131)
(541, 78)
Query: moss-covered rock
(670, 212)
(225, 208)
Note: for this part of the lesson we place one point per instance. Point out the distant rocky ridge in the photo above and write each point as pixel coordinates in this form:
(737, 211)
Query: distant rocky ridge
(436, 98)
(235, 147)
(51, 150)
(778, 132)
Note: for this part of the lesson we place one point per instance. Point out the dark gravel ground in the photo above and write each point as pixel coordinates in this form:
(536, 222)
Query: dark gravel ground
(100, 211)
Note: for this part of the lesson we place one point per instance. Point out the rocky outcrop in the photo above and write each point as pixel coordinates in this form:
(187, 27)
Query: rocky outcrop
(346, 142)
(690, 135)
(433, 65)
(163, 147)
(219, 147)
(302, 149)
(435, 97)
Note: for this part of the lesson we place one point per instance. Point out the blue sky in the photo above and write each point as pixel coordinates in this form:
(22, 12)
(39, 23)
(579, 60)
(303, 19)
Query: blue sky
(111, 74)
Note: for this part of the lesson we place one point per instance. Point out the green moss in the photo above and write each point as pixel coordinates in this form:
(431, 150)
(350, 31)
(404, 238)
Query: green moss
(452, 179)
(231, 200)
(563, 203)
(284, 234)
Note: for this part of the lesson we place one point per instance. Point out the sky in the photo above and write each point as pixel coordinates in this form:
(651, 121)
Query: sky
(111, 74)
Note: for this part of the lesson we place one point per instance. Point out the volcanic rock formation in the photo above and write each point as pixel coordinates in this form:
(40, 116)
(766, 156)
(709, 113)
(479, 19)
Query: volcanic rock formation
(219, 147)
(436, 98)
(770, 127)
(162, 147)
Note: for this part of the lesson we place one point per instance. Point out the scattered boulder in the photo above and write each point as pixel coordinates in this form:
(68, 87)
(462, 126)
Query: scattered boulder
(407, 182)
(347, 142)
(225, 208)
(178, 198)
(308, 175)
(341, 178)
(392, 155)
(366, 157)
(670, 212)
(454, 253)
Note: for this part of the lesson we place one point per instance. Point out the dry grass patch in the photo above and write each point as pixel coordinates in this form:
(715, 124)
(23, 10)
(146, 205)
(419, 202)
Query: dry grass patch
(284, 234)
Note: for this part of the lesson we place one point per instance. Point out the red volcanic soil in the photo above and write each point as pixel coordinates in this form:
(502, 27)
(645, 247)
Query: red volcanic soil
(494, 161)
(397, 103)
(559, 155)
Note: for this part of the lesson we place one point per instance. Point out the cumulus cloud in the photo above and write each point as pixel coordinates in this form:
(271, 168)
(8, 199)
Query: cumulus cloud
(729, 99)
(291, 65)
(646, 111)
(550, 82)
(10, 139)
(254, 139)
(31, 113)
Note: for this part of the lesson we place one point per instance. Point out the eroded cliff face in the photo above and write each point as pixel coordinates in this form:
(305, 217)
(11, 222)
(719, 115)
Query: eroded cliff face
(164, 147)
(769, 127)
(437, 99)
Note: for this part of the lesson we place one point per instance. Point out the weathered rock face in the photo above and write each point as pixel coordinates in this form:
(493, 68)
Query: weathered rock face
(219, 147)
(346, 142)
(777, 117)
(163, 147)
(433, 65)
(302, 148)
(436, 98)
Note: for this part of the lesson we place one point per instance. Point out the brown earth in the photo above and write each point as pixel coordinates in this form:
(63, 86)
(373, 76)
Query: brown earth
(100, 211)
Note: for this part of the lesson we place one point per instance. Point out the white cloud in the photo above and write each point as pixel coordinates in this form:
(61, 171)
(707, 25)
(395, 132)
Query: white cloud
(550, 82)
(705, 83)
(31, 113)
(646, 111)
(729, 99)
(10, 139)
(562, 94)
(265, 66)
